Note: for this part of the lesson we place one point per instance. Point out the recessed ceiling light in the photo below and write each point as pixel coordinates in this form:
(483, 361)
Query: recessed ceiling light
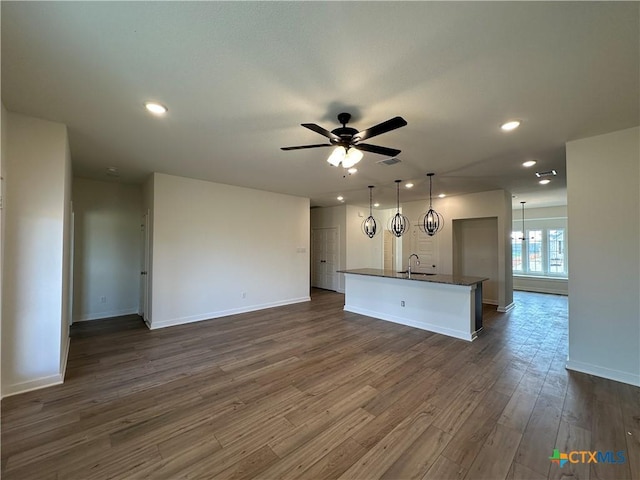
(529, 163)
(113, 171)
(442, 195)
(156, 108)
(544, 182)
(376, 204)
(510, 125)
(340, 198)
(409, 185)
(352, 170)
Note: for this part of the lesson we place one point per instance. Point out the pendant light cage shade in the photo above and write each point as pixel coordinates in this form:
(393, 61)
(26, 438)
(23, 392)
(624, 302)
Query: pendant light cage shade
(432, 221)
(399, 223)
(369, 226)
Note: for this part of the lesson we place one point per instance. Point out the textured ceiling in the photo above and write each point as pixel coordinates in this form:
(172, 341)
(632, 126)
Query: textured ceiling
(239, 78)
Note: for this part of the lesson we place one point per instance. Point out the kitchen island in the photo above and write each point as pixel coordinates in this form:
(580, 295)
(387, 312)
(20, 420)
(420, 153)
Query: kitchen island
(446, 304)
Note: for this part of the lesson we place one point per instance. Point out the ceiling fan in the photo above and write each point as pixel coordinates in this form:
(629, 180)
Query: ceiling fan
(347, 140)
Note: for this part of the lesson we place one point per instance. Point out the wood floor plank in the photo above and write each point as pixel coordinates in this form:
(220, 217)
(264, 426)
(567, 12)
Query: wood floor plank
(418, 458)
(384, 453)
(540, 434)
(468, 440)
(570, 438)
(496, 455)
(445, 469)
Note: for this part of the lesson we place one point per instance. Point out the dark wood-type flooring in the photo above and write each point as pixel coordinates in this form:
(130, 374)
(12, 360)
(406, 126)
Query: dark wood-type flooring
(310, 391)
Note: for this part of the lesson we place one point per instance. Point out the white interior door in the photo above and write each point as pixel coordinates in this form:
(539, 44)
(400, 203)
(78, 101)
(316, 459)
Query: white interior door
(426, 248)
(325, 258)
(389, 255)
(144, 269)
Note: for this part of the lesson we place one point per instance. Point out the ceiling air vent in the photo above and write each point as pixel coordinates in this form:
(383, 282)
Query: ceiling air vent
(388, 161)
(548, 173)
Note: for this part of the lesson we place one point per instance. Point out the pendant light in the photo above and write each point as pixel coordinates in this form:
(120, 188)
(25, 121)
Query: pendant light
(432, 222)
(398, 224)
(369, 226)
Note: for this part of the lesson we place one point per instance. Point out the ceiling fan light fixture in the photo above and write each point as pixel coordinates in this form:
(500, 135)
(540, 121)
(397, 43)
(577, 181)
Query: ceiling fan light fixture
(337, 156)
(352, 157)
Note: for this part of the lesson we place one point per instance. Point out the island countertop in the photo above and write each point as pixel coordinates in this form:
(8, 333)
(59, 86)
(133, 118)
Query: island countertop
(417, 276)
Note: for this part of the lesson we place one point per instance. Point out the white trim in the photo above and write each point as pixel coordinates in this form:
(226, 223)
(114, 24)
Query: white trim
(30, 385)
(223, 313)
(411, 323)
(552, 291)
(616, 375)
(65, 358)
(506, 309)
(109, 314)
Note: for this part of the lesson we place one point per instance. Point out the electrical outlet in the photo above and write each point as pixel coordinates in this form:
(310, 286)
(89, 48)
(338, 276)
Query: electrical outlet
(402, 303)
(103, 299)
(243, 295)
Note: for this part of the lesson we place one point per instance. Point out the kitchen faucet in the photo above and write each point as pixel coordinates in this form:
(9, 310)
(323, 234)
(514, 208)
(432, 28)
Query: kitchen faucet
(417, 262)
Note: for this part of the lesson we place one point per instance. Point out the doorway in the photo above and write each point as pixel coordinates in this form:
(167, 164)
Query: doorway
(324, 259)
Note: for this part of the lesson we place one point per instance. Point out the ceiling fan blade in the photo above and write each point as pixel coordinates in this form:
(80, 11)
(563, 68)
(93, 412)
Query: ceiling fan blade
(321, 131)
(379, 129)
(307, 146)
(390, 152)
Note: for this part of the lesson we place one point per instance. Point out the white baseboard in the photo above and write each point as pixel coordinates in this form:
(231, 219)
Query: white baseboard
(38, 383)
(506, 309)
(65, 358)
(553, 291)
(411, 323)
(616, 375)
(113, 313)
(223, 313)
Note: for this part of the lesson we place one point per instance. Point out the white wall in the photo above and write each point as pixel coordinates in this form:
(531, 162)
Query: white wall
(475, 246)
(491, 204)
(214, 242)
(37, 174)
(3, 146)
(603, 200)
(107, 248)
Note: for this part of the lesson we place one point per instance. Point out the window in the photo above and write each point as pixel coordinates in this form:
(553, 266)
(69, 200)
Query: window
(556, 251)
(542, 252)
(516, 251)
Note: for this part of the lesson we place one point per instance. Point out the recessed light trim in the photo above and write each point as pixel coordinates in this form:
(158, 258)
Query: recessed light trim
(529, 163)
(510, 125)
(442, 195)
(156, 108)
(340, 198)
(376, 205)
(409, 185)
(544, 182)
